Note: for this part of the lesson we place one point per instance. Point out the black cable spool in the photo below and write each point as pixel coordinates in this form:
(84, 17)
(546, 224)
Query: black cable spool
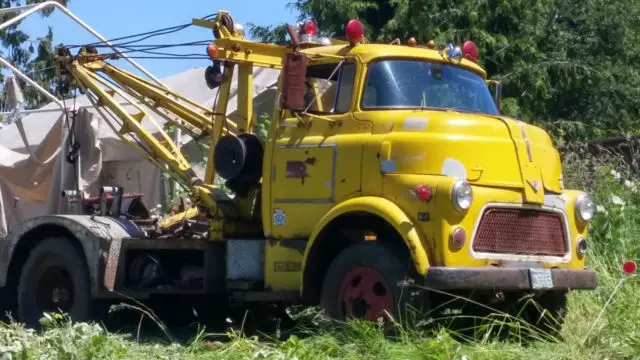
(238, 159)
(227, 22)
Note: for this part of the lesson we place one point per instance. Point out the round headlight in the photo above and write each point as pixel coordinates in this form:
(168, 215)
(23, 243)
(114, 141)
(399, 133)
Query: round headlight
(585, 208)
(461, 195)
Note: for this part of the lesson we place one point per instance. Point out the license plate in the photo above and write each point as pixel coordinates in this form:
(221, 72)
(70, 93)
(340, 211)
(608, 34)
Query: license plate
(541, 278)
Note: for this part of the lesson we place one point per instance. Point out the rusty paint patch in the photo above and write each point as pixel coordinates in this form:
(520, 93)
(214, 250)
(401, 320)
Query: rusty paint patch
(297, 170)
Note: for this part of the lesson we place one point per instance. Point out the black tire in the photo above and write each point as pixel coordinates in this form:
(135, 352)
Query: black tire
(390, 266)
(54, 277)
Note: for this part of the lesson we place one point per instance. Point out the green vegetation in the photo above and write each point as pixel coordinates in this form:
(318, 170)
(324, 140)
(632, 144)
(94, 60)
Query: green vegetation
(33, 56)
(586, 335)
(570, 65)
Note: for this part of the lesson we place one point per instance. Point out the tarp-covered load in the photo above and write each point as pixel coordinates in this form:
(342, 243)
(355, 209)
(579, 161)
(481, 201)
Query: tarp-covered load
(30, 179)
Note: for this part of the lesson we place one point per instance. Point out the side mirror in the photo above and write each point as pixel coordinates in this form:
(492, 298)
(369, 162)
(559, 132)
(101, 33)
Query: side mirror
(293, 83)
(497, 93)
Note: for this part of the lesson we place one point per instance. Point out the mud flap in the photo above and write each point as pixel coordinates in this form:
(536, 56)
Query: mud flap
(111, 266)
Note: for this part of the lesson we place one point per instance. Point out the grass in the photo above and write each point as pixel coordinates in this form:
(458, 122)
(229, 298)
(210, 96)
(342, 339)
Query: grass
(591, 331)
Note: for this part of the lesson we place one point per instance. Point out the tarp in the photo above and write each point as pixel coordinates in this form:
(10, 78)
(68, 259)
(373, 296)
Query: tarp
(30, 179)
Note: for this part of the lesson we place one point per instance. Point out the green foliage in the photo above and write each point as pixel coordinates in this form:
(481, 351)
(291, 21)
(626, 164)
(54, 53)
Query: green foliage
(276, 34)
(33, 56)
(568, 66)
(586, 334)
(261, 126)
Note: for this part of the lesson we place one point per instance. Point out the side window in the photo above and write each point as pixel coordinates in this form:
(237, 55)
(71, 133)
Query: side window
(345, 88)
(329, 88)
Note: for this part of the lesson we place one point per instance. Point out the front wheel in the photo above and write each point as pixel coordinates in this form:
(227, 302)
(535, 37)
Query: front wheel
(363, 282)
(54, 279)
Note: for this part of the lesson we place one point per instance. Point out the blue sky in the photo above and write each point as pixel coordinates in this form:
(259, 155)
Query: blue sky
(117, 18)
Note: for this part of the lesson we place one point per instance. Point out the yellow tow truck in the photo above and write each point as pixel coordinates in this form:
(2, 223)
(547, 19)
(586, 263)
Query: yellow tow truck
(387, 169)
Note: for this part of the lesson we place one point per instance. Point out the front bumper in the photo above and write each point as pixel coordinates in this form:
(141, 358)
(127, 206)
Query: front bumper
(467, 278)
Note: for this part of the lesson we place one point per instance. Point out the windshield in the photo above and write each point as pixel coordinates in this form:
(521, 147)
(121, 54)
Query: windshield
(421, 84)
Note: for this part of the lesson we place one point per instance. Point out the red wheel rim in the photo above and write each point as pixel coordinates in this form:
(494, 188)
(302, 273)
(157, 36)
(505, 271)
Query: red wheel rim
(365, 294)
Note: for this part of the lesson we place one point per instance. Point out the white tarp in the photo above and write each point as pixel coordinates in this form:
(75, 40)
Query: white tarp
(32, 185)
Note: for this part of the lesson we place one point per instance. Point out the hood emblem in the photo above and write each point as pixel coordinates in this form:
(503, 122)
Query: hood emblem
(526, 140)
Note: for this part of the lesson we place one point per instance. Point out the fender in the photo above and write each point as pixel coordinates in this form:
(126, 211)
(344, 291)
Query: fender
(95, 235)
(386, 210)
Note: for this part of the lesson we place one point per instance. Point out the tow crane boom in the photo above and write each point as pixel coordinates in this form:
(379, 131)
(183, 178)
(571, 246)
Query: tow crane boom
(101, 81)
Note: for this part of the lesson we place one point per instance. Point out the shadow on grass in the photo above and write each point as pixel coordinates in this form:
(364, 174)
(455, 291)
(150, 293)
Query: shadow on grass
(208, 324)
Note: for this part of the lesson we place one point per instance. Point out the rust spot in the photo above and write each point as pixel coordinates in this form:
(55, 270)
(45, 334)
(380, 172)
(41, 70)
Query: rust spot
(311, 161)
(297, 169)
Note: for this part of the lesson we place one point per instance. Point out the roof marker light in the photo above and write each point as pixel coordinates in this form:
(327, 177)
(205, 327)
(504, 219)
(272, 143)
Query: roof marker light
(470, 51)
(453, 52)
(310, 28)
(355, 31)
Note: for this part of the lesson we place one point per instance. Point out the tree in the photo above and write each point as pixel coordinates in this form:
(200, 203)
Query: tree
(569, 66)
(33, 56)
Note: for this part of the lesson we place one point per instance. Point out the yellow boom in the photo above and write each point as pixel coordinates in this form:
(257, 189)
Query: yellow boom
(102, 81)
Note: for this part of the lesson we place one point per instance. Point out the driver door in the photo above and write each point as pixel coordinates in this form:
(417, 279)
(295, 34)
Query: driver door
(317, 157)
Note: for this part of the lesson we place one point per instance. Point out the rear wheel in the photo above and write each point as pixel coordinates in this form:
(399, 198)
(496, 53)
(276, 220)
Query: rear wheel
(54, 279)
(363, 282)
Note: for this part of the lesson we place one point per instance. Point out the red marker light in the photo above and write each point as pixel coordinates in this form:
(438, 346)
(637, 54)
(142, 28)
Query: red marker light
(470, 51)
(310, 28)
(355, 31)
(424, 192)
(629, 267)
(458, 237)
(212, 50)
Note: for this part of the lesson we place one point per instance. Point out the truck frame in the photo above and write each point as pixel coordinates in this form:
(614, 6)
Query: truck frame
(388, 177)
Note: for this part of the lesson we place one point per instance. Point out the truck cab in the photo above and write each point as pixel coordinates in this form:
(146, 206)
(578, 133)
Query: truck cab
(409, 143)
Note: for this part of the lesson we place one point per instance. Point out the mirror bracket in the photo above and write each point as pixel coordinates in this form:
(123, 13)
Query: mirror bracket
(497, 93)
